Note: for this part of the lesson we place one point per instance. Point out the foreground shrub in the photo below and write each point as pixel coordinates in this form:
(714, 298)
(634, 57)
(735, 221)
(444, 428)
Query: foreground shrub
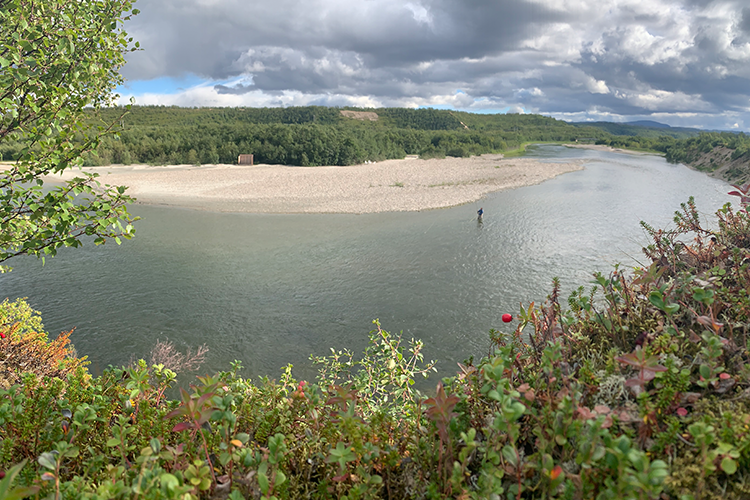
(638, 389)
(25, 346)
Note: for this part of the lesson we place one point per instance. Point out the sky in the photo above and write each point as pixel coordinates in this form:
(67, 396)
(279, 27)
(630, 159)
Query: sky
(678, 62)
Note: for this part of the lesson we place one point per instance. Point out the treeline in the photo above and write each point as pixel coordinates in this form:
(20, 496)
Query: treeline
(660, 144)
(316, 135)
(308, 136)
(642, 130)
(303, 145)
(690, 149)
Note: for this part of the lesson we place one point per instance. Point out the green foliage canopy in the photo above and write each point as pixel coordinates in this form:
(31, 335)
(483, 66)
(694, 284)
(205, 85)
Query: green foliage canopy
(314, 135)
(59, 61)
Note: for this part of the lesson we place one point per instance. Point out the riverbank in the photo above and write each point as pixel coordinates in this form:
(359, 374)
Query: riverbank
(603, 147)
(387, 186)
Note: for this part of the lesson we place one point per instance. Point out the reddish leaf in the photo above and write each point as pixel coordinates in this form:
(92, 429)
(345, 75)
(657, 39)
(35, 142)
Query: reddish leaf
(555, 473)
(602, 409)
(709, 322)
(182, 426)
(585, 413)
(626, 416)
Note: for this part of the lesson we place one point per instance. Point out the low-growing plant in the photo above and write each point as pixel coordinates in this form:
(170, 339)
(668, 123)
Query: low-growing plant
(384, 376)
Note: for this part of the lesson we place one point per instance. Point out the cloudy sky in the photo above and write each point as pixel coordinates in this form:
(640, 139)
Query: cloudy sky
(680, 62)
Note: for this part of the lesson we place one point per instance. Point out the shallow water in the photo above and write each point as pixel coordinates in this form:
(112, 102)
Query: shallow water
(272, 289)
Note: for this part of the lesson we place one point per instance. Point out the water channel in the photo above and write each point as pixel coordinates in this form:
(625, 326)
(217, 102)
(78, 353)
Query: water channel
(269, 290)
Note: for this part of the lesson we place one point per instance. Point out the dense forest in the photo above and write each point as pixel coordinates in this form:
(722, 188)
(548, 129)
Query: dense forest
(310, 135)
(724, 154)
(688, 150)
(316, 135)
(642, 129)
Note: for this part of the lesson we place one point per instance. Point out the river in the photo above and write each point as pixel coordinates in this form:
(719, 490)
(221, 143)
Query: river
(269, 290)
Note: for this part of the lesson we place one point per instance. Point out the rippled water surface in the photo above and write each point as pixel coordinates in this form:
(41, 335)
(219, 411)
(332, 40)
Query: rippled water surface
(272, 289)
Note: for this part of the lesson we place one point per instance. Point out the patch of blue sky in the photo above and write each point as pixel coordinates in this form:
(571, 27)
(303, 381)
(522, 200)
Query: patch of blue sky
(168, 85)
(481, 105)
(480, 111)
(162, 85)
(490, 111)
(438, 106)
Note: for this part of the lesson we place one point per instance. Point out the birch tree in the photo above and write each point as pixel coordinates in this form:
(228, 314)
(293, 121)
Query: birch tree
(59, 63)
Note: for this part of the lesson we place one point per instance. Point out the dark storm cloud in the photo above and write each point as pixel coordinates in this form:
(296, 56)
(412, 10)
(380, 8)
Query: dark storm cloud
(208, 38)
(745, 20)
(618, 57)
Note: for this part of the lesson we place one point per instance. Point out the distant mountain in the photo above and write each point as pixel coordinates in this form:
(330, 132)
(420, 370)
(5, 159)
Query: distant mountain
(649, 123)
(642, 128)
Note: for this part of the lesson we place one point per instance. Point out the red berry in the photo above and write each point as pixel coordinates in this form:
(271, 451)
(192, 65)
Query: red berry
(507, 318)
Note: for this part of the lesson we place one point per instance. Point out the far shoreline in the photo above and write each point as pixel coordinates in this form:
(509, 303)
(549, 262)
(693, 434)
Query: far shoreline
(604, 147)
(405, 185)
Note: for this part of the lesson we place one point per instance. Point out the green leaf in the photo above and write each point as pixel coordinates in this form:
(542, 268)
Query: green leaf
(47, 460)
(509, 453)
(263, 482)
(8, 493)
(169, 481)
(729, 465)
(280, 478)
(656, 298)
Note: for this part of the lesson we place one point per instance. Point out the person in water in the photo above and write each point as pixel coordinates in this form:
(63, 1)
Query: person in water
(480, 212)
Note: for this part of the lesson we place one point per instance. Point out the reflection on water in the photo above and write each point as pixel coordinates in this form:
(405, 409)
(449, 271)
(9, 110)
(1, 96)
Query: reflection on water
(273, 289)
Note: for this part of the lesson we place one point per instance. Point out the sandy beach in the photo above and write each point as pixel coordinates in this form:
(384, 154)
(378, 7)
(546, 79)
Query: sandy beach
(387, 186)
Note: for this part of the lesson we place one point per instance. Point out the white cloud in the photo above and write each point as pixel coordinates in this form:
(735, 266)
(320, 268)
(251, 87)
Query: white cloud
(420, 13)
(614, 58)
(596, 86)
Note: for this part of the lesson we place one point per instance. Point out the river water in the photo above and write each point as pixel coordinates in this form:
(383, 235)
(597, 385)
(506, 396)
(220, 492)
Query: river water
(269, 290)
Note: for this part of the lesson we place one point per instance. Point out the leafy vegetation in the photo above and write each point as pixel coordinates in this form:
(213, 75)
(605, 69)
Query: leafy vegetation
(723, 152)
(637, 389)
(707, 142)
(310, 135)
(643, 129)
(57, 58)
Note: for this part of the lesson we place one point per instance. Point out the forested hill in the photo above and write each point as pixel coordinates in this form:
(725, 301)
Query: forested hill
(312, 135)
(725, 155)
(317, 135)
(642, 128)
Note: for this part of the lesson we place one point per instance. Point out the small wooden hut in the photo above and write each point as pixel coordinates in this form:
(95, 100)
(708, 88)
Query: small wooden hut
(245, 160)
